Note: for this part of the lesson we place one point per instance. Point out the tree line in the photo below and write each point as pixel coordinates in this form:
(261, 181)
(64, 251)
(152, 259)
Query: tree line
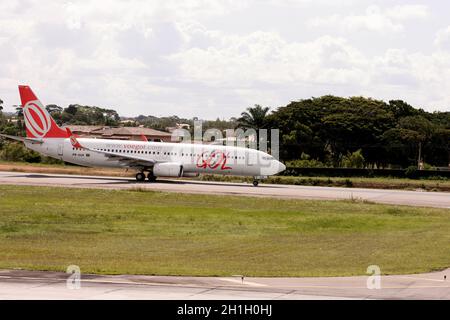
(357, 132)
(327, 131)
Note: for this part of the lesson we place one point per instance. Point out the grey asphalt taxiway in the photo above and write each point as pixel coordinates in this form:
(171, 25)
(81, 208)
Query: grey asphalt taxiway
(396, 197)
(19, 284)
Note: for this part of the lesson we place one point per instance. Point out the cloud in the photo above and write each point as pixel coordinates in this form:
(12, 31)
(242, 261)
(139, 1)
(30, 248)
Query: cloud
(325, 65)
(267, 57)
(442, 39)
(407, 12)
(172, 57)
(374, 19)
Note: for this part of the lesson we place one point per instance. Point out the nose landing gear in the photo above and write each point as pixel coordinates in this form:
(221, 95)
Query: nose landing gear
(257, 179)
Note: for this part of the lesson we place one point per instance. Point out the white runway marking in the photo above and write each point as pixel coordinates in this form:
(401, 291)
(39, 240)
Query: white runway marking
(245, 282)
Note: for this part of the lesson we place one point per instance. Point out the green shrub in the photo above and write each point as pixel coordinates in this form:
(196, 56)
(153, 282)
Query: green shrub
(411, 172)
(348, 183)
(354, 160)
(31, 156)
(18, 152)
(305, 161)
(49, 160)
(427, 166)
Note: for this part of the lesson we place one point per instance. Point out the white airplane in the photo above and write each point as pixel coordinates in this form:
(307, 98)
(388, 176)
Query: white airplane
(157, 159)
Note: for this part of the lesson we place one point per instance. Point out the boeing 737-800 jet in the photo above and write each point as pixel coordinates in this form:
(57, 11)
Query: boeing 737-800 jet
(157, 159)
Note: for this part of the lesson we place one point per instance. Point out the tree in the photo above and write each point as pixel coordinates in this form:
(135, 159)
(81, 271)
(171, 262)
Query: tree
(419, 130)
(299, 123)
(19, 111)
(88, 115)
(55, 111)
(72, 109)
(356, 123)
(354, 160)
(53, 108)
(254, 118)
(402, 109)
(329, 127)
(415, 131)
(2, 117)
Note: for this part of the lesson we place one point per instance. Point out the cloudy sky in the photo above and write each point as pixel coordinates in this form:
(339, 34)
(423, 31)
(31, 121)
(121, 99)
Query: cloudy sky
(214, 58)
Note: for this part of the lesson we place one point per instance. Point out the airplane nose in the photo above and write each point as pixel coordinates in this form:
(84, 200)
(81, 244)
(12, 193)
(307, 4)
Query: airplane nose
(281, 167)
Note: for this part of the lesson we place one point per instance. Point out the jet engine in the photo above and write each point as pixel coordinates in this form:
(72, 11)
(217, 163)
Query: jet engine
(168, 169)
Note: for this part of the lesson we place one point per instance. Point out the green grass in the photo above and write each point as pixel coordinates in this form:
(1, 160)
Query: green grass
(137, 232)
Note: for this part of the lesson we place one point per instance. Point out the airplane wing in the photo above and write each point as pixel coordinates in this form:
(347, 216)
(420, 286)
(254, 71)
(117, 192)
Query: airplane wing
(21, 139)
(127, 159)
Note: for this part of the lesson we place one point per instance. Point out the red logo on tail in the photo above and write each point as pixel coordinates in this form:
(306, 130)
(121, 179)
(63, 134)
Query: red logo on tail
(37, 122)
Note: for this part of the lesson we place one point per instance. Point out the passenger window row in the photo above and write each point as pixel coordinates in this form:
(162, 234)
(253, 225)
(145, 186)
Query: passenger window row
(156, 153)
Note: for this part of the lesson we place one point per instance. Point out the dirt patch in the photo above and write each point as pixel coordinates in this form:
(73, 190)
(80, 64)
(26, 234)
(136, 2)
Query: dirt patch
(66, 170)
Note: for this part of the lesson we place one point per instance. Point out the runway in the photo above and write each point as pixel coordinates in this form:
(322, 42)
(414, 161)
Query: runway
(30, 285)
(397, 197)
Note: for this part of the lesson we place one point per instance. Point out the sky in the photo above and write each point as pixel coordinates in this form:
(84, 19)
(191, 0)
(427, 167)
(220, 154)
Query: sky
(214, 58)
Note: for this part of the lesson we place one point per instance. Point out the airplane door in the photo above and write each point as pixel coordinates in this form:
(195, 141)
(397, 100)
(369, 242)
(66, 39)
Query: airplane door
(60, 149)
(251, 159)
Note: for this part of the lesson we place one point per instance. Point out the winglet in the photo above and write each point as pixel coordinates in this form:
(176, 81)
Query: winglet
(73, 139)
(144, 138)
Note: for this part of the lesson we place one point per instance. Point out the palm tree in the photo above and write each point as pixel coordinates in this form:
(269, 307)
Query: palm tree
(19, 111)
(254, 118)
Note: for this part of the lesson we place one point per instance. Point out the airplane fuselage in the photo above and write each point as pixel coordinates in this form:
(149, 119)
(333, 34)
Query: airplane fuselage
(158, 159)
(193, 158)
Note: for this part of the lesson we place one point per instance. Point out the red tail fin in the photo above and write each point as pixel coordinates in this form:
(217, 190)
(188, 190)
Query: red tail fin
(38, 122)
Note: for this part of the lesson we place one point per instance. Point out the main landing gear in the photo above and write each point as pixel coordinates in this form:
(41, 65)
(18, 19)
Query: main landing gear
(140, 177)
(151, 177)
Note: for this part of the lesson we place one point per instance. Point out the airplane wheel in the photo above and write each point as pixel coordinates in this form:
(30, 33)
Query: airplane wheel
(255, 183)
(151, 177)
(140, 177)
